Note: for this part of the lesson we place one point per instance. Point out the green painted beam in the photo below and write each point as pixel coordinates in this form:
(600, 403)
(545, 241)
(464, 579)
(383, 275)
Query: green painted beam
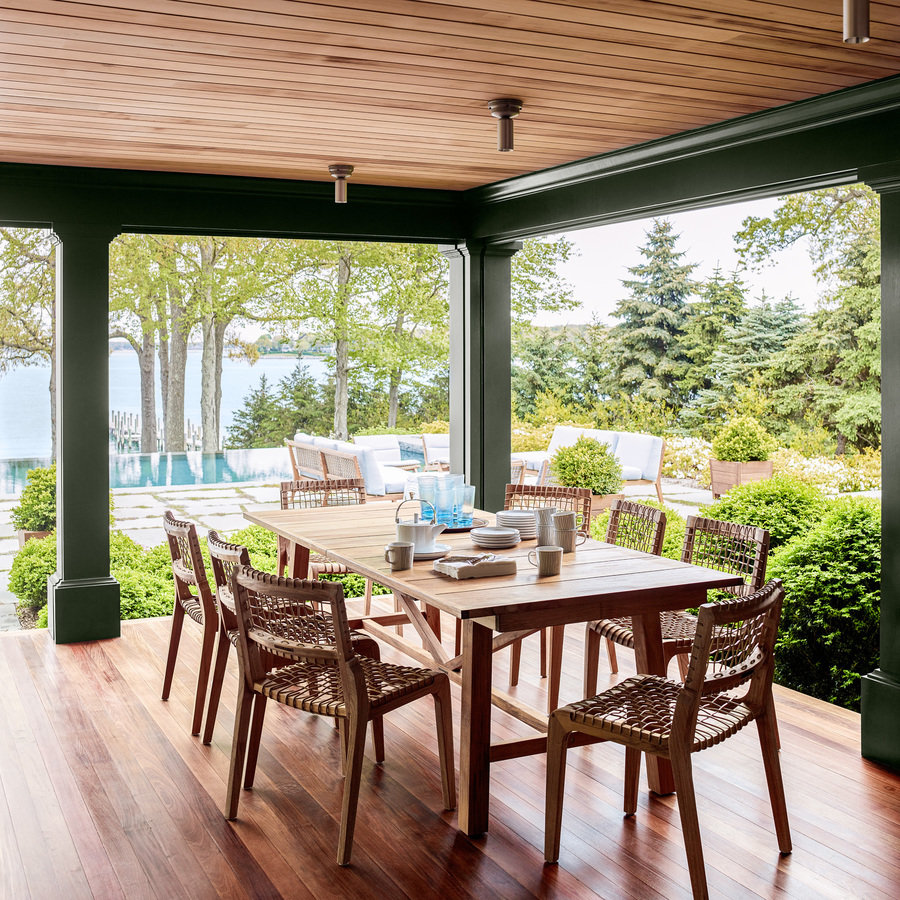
(209, 204)
(83, 599)
(801, 146)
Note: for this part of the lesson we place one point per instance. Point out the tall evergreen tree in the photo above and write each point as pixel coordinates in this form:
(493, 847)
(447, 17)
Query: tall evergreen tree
(721, 304)
(648, 354)
(745, 359)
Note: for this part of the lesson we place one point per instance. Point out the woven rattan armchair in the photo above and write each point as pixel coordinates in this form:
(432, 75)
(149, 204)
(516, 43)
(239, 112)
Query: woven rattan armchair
(225, 558)
(309, 494)
(739, 549)
(194, 599)
(517, 471)
(637, 527)
(534, 496)
(305, 624)
(728, 685)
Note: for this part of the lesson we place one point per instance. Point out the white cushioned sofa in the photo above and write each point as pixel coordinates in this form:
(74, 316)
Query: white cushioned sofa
(640, 455)
(381, 480)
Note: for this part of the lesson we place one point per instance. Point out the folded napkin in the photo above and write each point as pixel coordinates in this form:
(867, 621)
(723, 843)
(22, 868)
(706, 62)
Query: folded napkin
(481, 565)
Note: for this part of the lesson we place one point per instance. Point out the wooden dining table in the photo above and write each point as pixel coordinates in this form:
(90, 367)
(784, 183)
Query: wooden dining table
(597, 581)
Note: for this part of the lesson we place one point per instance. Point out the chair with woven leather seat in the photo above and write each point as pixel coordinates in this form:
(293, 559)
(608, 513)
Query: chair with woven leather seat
(310, 494)
(534, 496)
(305, 624)
(728, 685)
(194, 599)
(225, 558)
(637, 527)
(738, 549)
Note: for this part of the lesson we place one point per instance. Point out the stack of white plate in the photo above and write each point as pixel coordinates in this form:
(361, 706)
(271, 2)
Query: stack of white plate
(495, 537)
(521, 519)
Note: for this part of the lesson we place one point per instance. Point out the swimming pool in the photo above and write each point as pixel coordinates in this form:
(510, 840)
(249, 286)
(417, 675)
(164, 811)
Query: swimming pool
(133, 470)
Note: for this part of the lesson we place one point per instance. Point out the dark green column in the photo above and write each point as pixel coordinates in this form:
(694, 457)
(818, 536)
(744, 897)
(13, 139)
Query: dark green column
(881, 688)
(480, 365)
(83, 597)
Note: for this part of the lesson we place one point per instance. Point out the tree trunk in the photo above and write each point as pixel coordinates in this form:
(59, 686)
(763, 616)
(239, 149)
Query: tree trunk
(342, 354)
(208, 393)
(148, 392)
(163, 356)
(220, 352)
(394, 397)
(178, 344)
(209, 434)
(841, 448)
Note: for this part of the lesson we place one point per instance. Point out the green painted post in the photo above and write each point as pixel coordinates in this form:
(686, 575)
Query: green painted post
(480, 366)
(83, 597)
(881, 688)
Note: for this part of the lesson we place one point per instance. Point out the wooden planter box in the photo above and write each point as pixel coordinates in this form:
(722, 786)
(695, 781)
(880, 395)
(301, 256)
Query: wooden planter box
(603, 501)
(28, 535)
(726, 475)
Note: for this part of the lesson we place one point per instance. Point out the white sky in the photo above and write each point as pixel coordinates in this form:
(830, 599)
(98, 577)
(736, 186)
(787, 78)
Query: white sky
(707, 237)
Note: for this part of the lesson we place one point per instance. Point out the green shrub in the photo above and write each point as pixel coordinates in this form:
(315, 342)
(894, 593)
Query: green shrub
(144, 595)
(829, 627)
(675, 525)
(31, 568)
(783, 504)
(36, 510)
(589, 464)
(742, 440)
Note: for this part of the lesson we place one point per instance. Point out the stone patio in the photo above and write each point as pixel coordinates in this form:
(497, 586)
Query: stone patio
(138, 512)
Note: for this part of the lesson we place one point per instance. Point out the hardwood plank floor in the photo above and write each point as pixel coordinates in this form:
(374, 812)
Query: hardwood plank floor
(104, 793)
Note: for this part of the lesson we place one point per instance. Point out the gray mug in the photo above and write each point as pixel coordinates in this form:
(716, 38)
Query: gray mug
(399, 554)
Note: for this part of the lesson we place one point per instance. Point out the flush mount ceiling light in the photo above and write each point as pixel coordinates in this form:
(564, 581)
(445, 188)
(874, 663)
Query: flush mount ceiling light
(856, 21)
(505, 111)
(340, 173)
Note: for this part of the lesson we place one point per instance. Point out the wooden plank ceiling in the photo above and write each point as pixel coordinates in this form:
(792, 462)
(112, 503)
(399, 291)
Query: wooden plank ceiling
(399, 88)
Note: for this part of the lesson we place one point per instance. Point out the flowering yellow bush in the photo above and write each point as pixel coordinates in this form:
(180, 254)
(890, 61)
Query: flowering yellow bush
(839, 474)
(687, 458)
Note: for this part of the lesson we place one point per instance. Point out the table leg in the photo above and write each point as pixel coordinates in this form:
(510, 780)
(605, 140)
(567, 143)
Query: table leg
(475, 729)
(433, 618)
(298, 564)
(555, 636)
(648, 658)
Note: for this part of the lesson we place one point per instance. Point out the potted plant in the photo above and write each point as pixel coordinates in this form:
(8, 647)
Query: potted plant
(35, 515)
(740, 455)
(589, 464)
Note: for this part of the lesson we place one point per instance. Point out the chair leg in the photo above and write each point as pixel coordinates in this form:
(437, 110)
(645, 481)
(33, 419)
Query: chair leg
(591, 661)
(368, 597)
(543, 635)
(210, 631)
(611, 656)
(515, 657)
(215, 687)
(768, 741)
(557, 745)
(554, 665)
(238, 749)
(174, 641)
(341, 725)
(356, 745)
(256, 726)
(443, 714)
(659, 492)
(632, 777)
(378, 738)
(683, 663)
(690, 825)
(457, 638)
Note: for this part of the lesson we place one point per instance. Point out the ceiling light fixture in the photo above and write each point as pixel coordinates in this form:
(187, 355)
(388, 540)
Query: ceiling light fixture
(340, 173)
(856, 21)
(505, 111)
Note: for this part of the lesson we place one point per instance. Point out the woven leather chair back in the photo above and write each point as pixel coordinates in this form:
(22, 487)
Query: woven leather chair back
(746, 656)
(636, 526)
(306, 461)
(188, 568)
(534, 496)
(738, 549)
(309, 493)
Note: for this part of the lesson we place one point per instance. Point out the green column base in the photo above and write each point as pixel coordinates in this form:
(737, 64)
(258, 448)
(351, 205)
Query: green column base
(881, 719)
(85, 609)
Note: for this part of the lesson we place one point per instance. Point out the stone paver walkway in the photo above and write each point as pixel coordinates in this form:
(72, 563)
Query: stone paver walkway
(139, 511)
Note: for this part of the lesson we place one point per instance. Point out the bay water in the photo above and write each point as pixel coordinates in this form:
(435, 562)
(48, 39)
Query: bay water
(25, 398)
